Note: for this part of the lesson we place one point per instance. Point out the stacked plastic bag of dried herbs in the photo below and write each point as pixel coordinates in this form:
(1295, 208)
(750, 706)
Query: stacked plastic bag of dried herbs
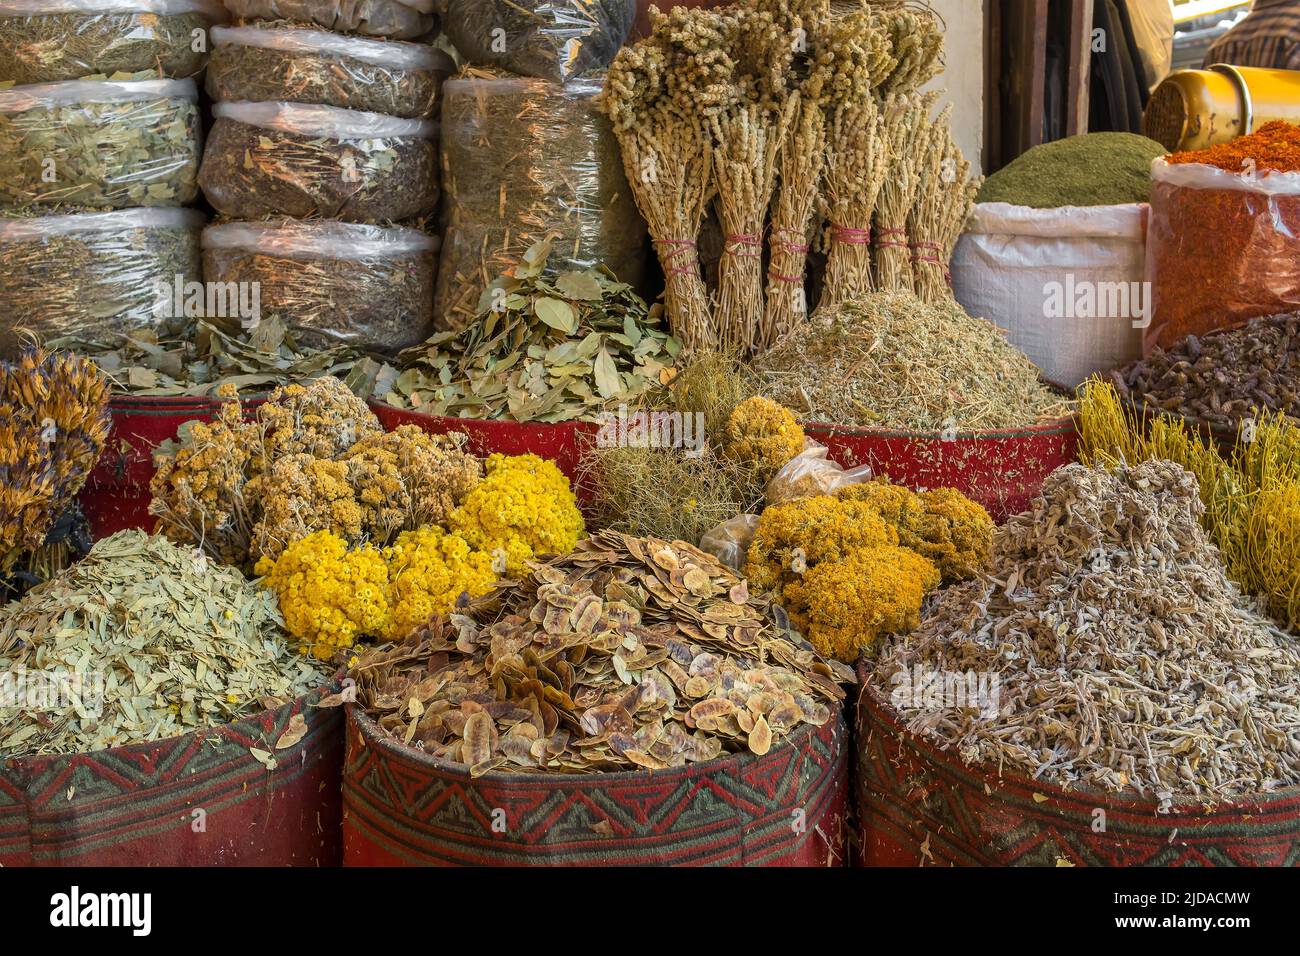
(45, 41)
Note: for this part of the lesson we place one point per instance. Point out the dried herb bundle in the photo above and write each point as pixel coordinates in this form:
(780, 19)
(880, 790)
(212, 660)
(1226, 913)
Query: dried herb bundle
(95, 276)
(626, 653)
(173, 641)
(1124, 657)
(285, 63)
(542, 348)
(554, 40)
(894, 361)
(99, 144)
(304, 161)
(945, 193)
(523, 160)
(53, 425)
(332, 283)
(905, 119)
(747, 137)
(44, 42)
(659, 95)
(394, 19)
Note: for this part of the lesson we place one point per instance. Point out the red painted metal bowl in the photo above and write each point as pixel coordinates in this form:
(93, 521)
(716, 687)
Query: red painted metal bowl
(921, 806)
(403, 807)
(559, 441)
(200, 799)
(1001, 470)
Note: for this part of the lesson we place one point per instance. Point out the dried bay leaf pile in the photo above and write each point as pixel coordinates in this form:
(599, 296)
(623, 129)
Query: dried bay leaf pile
(627, 652)
(181, 642)
(543, 348)
(1125, 658)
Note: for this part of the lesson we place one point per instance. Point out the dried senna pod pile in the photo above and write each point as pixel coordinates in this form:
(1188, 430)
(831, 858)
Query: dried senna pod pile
(625, 653)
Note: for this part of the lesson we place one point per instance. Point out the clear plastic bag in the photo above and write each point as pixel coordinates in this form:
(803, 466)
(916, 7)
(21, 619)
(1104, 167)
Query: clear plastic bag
(95, 276)
(810, 473)
(549, 39)
(395, 19)
(332, 283)
(97, 144)
(523, 159)
(287, 159)
(1222, 248)
(46, 41)
(729, 541)
(273, 62)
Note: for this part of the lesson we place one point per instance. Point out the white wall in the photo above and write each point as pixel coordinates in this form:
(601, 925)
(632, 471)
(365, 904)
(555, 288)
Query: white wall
(964, 76)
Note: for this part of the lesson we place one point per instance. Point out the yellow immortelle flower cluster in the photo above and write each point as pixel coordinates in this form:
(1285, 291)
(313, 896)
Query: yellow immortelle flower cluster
(763, 435)
(331, 594)
(522, 508)
(314, 458)
(428, 571)
(198, 489)
(856, 565)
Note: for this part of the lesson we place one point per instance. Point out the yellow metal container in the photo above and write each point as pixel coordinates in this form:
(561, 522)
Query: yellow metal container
(1193, 109)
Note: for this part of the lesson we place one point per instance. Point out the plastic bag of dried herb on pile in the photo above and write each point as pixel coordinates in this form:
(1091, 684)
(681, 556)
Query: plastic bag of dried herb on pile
(99, 144)
(332, 283)
(304, 161)
(270, 62)
(96, 276)
(395, 19)
(523, 159)
(549, 39)
(44, 41)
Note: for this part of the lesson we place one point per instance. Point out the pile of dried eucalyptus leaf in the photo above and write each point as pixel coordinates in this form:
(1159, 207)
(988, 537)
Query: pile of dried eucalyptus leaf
(543, 348)
(262, 359)
(162, 640)
(627, 652)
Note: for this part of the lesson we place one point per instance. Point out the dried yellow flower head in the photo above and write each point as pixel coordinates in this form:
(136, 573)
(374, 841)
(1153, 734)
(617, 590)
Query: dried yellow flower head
(762, 435)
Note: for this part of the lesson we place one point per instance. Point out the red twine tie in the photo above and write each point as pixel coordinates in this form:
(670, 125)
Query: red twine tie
(890, 243)
(679, 247)
(746, 242)
(851, 237)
